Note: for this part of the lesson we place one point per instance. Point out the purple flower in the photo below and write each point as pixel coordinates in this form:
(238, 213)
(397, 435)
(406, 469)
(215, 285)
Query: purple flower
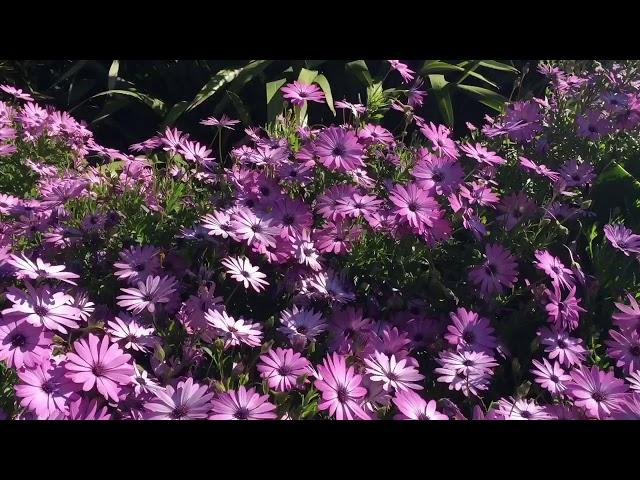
(342, 394)
(441, 144)
(224, 122)
(467, 371)
(554, 268)
(241, 270)
(232, 331)
(187, 401)
(137, 263)
(622, 239)
(42, 306)
(469, 331)
(16, 92)
(298, 93)
(301, 325)
(405, 72)
(522, 409)
(282, 368)
(500, 270)
(592, 125)
(414, 206)
(339, 149)
(242, 404)
(413, 407)
(550, 377)
(628, 316)
(596, 391)
(392, 373)
(44, 390)
(563, 313)
(482, 155)
(441, 175)
(23, 344)
(624, 347)
(558, 344)
(101, 364)
(153, 291)
(40, 270)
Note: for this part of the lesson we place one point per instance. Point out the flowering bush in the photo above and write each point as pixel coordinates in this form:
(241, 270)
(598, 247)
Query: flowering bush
(342, 271)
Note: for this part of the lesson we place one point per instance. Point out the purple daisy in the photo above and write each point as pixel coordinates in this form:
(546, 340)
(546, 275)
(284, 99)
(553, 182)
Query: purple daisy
(187, 401)
(298, 93)
(469, 331)
(242, 404)
(499, 270)
(282, 368)
(342, 394)
(23, 344)
(413, 407)
(148, 294)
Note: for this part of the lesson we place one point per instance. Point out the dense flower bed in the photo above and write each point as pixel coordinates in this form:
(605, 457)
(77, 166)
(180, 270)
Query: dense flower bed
(341, 271)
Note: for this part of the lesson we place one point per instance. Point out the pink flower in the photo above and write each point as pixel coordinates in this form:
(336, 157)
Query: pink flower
(470, 331)
(393, 374)
(242, 271)
(628, 316)
(482, 155)
(301, 325)
(554, 268)
(405, 72)
(38, 270)
(596, 391)
(234, 332)
(298, 93)
(137, 263)
(435, 174)
(441, 144)
(541, 170)
(338, 149)
(282, 368)
(342, 394)
(23, 345)
(414, 205)
(467, 371)
(558, 344)
(187, 401)
(44, 390)
(247, 226)
(479, 193)
(563, 313)
(224, 122)
(413, 407)
(153, 291)
(101, 364)
(624, 347)
(622, 239)
(550, 377)
(42, 306)
(500, 270)
(521, 409)
(16, 92)
(126, 330)
(242, 404)
(82, 408)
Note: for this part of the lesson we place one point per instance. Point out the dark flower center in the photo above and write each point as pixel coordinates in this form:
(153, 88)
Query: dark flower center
(244, 273)
(249, 202)
(284, 371)
(343, 394)
(598, 396)
(40, 310)
(468, 336)
(48, 386)
(139, 267)
(412, 206)
(423, 416)
(338, 151)
(392, 376)
(592, 129)
(437, 177)
(179, 412)
(525, 414)
(575, 177)
(288, 219)
(147, 297)
(266, 191)
(302, 329)
(490, 269)
(467, 363)
(554, 379)
(257, 228)
(562, 344)
(97, 370)
(293, 173)
(635, 350)
(242, 413)
(18, 340)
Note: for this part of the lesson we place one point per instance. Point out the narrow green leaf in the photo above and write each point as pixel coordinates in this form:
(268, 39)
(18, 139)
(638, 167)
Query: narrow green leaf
(219, 80)
(113, 74)
(485, 96)
(498, 66)
(360, 70)
(443, 97)
(175, 112)
(322, 81)
(437, 66)
(77, 66)
(155, 104)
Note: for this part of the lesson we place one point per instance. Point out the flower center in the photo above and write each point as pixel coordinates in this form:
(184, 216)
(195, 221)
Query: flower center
(242, 413)
(266, 191)
(467, 363)
(598, 396)
(284, 371)
(179, 412)
(97, 370)
(562, 344)
(635, 350)
(139, 267)
(423, 416)
(338, 151)
(47, 387)
(288, 219)
(437, 177)
(412, 206)
(18, 340)
(468, 336)
(525, 414)
(40, 310)
(343, 394)
(554, 379)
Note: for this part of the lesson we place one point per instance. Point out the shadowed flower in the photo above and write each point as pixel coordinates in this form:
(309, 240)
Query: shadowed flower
(622, 239)
(500, 270)
(469, 331)
(137, 263)
(187, 401)
(148, 295)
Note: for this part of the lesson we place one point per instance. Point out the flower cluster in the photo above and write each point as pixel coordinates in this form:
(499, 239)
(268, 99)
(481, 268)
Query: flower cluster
(335, 271)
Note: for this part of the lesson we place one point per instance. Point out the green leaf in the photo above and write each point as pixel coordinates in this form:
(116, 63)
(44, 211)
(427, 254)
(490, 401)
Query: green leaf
(498, 66)
(616, 188)
(77, 66)
(485, 96)
(241, 109)
(219, 80)
(252, 69)
(437, 66)
(307, 76)
(175, 112)
(322, 81)
(360, 70)
(155, 104)
(443, 97)
(113, 74)
(274, 99)
(313, 63)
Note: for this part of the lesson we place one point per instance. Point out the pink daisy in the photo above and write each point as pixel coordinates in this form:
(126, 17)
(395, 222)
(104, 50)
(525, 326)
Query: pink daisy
(99, 363)
(137, 263)
(44, 390)
(550, 377)
(234, 332)
(301, 325)
(342, 394)
(338, 149)
(247, 226)
(628, 316)
(413, 407)
(564, 313)
(187, 401)
(23, 345)
(554, 268)
(393, 374)
(40, 270)
(432, 173)
(624, 348)
(241, 270)
(298, 93)
(282, 368)
(242, 404)
(125, 330)
(405, 72)
(596, 391)
(482, 155)
(148, 294)
(471, 332)
(558, 344)
(414, 205)
(500, 270)
(441, 143)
